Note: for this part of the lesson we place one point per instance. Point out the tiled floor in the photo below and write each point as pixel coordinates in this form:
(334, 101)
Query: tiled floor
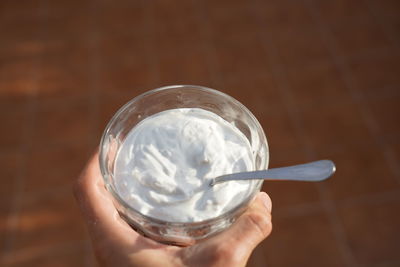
(323, 77)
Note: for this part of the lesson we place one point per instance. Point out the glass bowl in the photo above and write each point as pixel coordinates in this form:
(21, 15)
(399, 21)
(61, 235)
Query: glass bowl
(172, 97)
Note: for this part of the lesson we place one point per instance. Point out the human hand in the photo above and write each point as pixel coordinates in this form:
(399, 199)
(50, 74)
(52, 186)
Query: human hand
(115, 243)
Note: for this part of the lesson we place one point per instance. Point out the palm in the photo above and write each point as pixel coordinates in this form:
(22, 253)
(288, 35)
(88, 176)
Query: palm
(117, 244)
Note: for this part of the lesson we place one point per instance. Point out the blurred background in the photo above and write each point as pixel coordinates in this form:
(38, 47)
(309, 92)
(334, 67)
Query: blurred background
(322, 77)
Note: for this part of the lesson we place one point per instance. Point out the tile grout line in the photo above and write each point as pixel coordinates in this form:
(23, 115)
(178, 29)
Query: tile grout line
(327, 39)
(279, 74)
(304, 208)
(298, 210)
(90, 260)
(152, 57)
(370, 53)
(372, 198)
(311, 207)
(94, 65)
(12, 219)
(279, 77)
(358, 97)
(390, 34)
(337, 226)
(32, 106)
(93, 72)
(213, 67)
(46, 250)
(387, 29)
(215, 75)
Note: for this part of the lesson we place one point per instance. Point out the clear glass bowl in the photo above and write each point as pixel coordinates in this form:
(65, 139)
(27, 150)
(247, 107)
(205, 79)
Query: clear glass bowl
(171, 97)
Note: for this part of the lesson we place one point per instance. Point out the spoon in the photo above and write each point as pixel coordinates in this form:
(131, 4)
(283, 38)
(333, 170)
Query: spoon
(313, 172)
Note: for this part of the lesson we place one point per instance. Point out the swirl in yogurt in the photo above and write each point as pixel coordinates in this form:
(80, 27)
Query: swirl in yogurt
(164, 167)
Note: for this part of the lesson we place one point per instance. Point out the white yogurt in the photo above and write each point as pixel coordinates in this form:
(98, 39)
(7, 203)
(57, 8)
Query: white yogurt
(164, 167)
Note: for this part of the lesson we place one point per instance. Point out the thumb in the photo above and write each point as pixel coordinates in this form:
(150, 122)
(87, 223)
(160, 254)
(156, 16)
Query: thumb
(253, 226)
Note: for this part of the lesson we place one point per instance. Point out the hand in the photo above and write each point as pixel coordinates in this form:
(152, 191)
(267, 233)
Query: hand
(115, 243)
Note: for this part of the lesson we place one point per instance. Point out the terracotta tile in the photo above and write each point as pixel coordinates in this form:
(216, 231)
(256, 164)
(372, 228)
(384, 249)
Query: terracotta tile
(47, 220)
(67, 52)
(12, 9)
(50, 256)
(257, 92)
(381, 93)
(279, 130)
(372, 231)
(5, 212)
(124, 18)
(316, 84)
(299, 48)
(257, 258)
(289, 194)
(18, 77)
(282, 157)
(108, 106)
(230, 18)
(342, 11)
(359, 37)
(389, 263)
(385, 112)
(23, 28)
(285, 16)
(69, 122)
(301, 241)
(14, 124)
(389, 8)
(334, 125)
(22, 49)
(63, 8)
(91, 258)
(376, 71)
(9, 102)
(176, 22)
(183, 66)
(121, 48)
(241, 55)
(126, 77)
(358, 168)
(10, 166)
(166, 44)
(54, 167)
(68, 20)
(392, 24)
(65, 77)
(75, 50)
(395, 149)
(125, 65)
(75, 29)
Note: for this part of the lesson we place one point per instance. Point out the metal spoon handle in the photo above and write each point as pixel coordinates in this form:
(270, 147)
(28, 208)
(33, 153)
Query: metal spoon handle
(313, 171)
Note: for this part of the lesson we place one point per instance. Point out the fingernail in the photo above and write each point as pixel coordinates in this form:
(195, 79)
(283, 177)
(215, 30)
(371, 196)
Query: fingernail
(266, 201)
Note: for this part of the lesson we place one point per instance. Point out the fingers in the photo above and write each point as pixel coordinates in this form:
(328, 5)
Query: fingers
(254, 225)
(237, 243)
(97, 207)
(94, 200)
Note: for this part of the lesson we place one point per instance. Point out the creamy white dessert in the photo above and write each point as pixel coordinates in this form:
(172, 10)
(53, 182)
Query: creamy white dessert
(163, 168)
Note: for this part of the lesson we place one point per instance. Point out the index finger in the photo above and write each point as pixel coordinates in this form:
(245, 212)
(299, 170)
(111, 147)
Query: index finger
(99, 211)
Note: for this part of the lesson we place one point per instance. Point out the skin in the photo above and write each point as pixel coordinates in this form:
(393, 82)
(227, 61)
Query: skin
(115, 243)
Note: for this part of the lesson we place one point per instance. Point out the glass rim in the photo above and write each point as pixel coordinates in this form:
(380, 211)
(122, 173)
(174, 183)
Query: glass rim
(110, 187)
